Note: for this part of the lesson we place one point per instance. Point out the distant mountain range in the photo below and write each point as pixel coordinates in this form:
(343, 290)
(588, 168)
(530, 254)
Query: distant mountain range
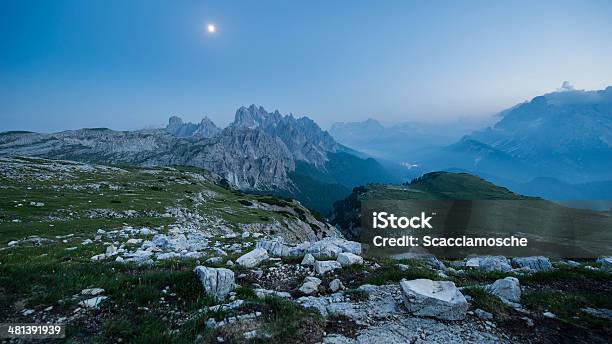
(259, 151)
(402, 141)
(557, 146)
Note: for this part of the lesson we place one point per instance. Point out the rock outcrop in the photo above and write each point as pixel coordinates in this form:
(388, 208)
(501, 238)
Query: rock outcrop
(217, 282)
(253, 258)
(536, 263)
(438, 299)
(507, 289)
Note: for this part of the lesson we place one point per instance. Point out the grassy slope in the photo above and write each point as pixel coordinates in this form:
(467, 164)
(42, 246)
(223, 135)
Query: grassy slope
(37, 276)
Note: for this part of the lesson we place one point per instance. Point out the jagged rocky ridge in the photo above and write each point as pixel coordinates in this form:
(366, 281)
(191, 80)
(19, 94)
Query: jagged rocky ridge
(257, 151)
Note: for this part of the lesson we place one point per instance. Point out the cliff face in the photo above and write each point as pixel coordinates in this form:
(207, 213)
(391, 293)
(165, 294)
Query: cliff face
(305, 139)
(248, 159)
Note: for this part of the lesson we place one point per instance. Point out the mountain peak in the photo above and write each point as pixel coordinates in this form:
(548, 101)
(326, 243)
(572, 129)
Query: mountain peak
(178, 128)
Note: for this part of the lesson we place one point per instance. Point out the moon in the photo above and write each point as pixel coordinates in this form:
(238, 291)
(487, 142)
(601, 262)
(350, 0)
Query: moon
(211, 28)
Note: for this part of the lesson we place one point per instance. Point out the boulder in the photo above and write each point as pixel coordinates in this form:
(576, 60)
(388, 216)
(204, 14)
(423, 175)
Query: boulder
(275, 248)
(438, 299)
(483, 314)
(347, 245)
(331, 247)
(310, 286)
(261, 293)
(324, 249)
(323, 266)
(535, 263)
(308, 260)
(213, 260)
(489, 263)
(92, 291)
(507, 289)
(348, 259)
(336, 285)
(94, 302)
(606, 263)
(253, 258)
(217, 282)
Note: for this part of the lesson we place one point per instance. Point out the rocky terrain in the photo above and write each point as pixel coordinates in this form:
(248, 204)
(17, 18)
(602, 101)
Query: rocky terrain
(259, 151)
(137, 254)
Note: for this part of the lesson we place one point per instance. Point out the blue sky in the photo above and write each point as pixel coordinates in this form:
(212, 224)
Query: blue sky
(132, 64)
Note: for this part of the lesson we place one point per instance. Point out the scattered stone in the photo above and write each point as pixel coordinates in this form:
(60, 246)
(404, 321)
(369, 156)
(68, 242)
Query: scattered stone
(528, 321)
(134, 241)
(94, 302)
(310, 286)
(335, 285)
(217, 282)
(167, 255)
(549, 315)
(483, 314)
(111, 251)
(507, 289)
(275, 248)
(324, 266)
(348, 259)
(489, 263)
(98, 257)
(214, 260)
(603, 313)
(438, 299)
(253, 258)
(92, 291)
(262, 293)
(535, 263)
(331, 247)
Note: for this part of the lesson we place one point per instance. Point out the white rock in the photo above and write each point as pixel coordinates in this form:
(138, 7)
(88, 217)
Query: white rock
(483, 314)
(323, 266)
(167, 255)
(310, 286)
(253, 258)
(606, 263)
(214, 260)
(261, 293)
(94, 302)
(489, 263)
(324, 249)
(549, 315)
(134, 241)
(438, 299)
(535, 263)
(348, 259)
(111, 251)
(92, 291)
(335, 285)
(98, 257)
(507, 289)
(308, 260)
(217, 282)
(275, 248)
